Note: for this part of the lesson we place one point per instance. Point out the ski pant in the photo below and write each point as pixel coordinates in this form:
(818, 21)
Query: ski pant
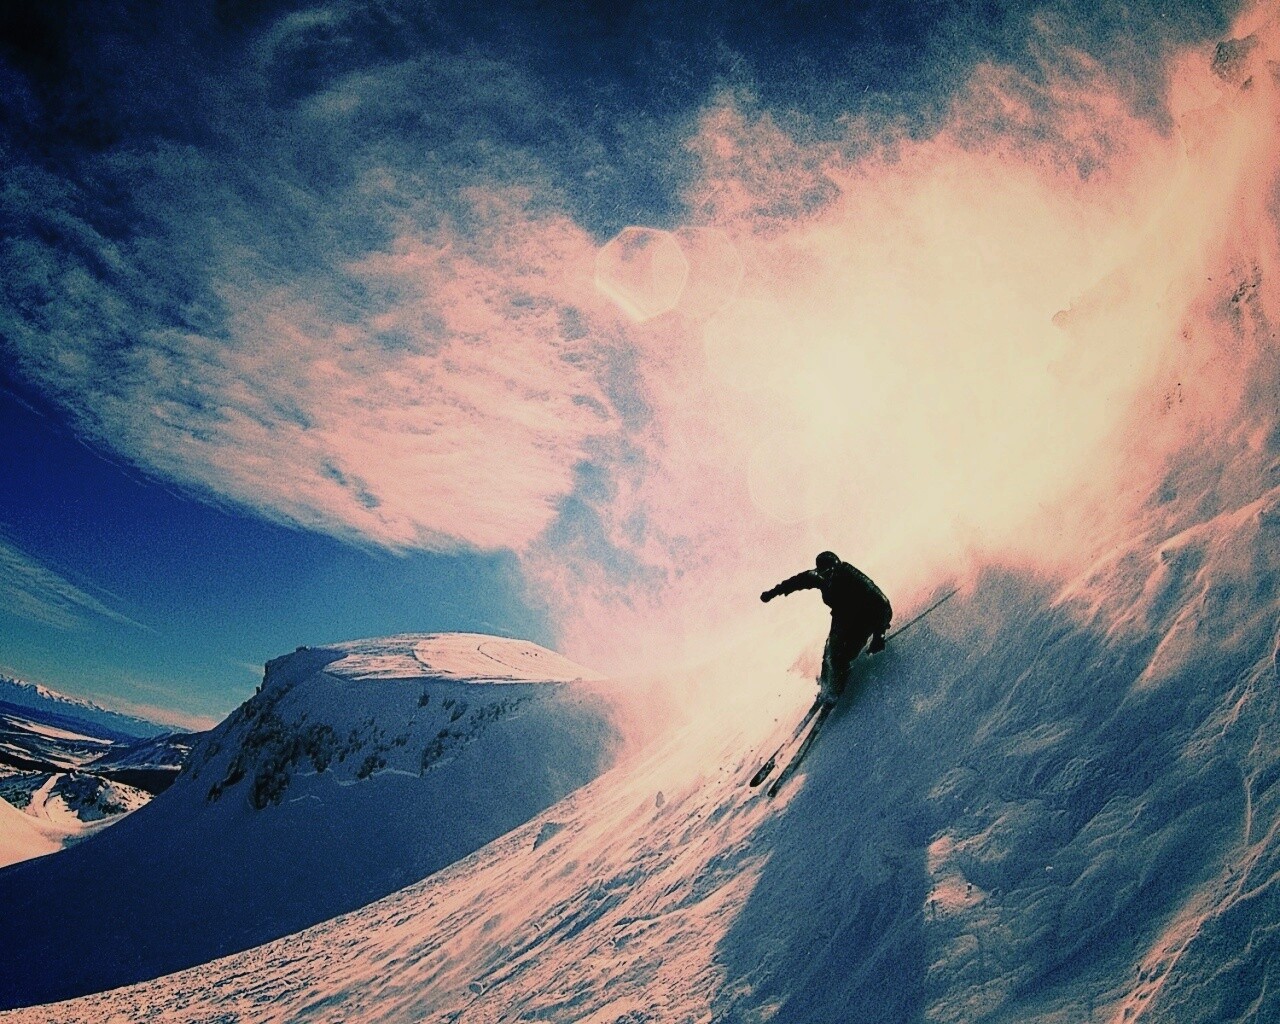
(844, 643)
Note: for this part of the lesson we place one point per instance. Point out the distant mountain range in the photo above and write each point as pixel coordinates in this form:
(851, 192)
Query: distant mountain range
(87, 716)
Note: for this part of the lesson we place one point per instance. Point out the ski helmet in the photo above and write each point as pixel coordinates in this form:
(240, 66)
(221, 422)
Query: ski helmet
(826, 559)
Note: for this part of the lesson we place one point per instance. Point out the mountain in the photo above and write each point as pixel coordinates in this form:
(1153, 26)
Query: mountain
(1024, 811)
(33, 740)
(86, 716)
(70, 776)
(1054, 800)
(151, 765)
(355, 770)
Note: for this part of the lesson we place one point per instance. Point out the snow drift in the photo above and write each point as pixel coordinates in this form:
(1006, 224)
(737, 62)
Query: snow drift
(355, 770)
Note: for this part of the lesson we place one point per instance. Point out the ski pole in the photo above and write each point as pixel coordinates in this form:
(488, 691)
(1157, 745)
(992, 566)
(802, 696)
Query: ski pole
(941, 601)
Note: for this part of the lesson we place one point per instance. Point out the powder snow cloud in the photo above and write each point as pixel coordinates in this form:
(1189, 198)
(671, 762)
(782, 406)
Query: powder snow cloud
(361, 295)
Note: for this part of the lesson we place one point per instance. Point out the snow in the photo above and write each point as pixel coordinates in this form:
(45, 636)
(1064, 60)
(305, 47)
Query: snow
(592, 859)
(26, 739)
(84, 714)
(1042, 804)
(72, 802)
(23, 837)
(72, 782)
(470, 656)
(61, 809)
(1055, 800)
(49, 731)
(356, 770)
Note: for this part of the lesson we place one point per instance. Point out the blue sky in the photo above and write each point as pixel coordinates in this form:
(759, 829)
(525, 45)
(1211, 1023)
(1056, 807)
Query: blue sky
(139, 594)
(298, 329)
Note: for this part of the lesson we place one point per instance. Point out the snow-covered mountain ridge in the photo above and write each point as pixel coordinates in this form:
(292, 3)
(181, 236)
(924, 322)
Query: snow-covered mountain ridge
(86, 714)
(355, 770)
(340, 725)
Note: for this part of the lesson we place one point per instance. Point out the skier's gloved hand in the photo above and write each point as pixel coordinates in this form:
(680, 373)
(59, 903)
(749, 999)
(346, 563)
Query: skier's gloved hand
(877, 644)
(767, 596)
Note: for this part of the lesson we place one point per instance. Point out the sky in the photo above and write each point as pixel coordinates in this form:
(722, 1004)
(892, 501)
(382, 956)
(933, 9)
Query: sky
(586, 323)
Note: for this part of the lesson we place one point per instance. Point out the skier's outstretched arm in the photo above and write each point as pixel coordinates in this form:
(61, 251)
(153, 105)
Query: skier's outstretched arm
(808, 580)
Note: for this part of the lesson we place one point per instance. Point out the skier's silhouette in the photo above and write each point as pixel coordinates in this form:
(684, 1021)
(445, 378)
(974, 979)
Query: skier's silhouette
(859, 611)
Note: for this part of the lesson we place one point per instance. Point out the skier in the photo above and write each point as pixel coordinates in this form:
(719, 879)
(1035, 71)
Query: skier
(859, 611)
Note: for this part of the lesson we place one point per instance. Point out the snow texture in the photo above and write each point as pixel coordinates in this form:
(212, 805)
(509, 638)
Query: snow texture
(1054, 801)
(355, 770)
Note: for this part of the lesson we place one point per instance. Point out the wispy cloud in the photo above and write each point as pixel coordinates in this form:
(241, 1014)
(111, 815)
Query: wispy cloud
(447, 406)
(361, 302)
(386, 335)
(32, 591)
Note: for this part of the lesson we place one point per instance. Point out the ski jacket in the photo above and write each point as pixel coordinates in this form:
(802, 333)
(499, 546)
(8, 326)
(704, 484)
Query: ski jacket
(847, 591)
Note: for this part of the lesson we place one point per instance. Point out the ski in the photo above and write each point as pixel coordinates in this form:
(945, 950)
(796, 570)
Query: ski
(801, 750)
(763, 772)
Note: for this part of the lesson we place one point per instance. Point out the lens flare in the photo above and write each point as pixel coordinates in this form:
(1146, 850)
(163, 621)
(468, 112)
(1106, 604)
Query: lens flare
(643, 270)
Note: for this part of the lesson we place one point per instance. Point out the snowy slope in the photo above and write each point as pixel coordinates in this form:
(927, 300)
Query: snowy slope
(24, 836)
(1054, 801)
(148, 764)
(71, 800)
(33, 741)
(1025, 811)
(355, 770)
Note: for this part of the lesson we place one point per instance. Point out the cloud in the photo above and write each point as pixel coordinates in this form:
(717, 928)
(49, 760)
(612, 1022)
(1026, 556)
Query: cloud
(362, 300)
(447, 407)
(945, 350)
(385, 336)
(31, 591)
